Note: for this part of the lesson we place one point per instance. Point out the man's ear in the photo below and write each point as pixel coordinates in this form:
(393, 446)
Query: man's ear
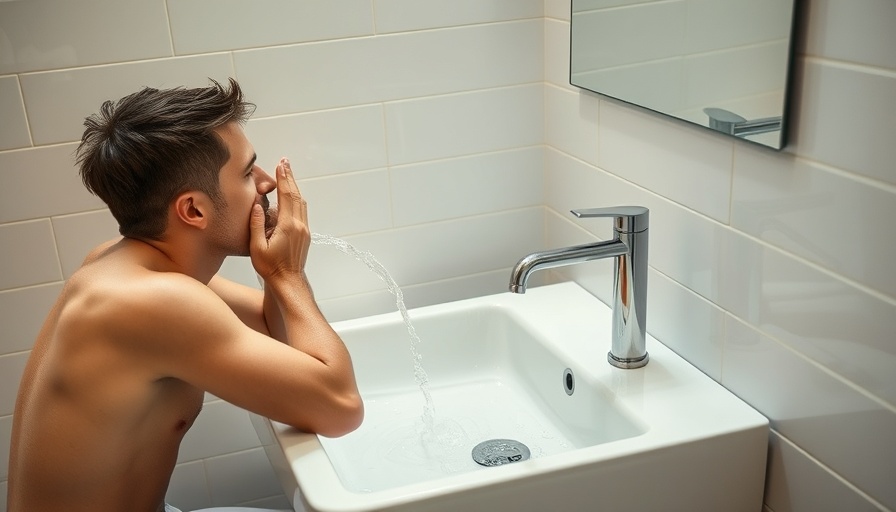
(192, 208)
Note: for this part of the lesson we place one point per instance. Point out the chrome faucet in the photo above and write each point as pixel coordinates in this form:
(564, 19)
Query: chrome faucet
(629, 250)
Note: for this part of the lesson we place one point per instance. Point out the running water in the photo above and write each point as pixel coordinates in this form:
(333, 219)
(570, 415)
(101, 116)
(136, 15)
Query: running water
(377, 268)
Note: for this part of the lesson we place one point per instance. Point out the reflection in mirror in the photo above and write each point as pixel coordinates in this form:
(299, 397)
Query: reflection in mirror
(722, 64)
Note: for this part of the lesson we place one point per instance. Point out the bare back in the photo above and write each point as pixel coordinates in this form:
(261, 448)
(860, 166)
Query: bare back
(96, 427)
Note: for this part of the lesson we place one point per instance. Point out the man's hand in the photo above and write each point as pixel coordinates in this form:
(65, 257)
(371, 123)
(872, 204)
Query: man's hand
(280, 251)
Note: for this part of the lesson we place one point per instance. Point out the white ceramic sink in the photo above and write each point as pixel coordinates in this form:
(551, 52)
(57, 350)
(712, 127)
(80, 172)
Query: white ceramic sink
(662, 437)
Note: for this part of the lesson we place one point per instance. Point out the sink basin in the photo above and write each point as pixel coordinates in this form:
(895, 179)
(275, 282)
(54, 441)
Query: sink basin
(527, 369)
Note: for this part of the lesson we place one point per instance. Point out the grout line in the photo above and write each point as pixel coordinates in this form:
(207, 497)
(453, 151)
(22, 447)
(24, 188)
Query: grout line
(812, 362)
(827, 469)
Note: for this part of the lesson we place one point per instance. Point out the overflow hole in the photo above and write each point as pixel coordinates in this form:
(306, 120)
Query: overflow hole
(569, 381)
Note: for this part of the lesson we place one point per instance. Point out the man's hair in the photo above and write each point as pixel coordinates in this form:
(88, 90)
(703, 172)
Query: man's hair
(141, 152)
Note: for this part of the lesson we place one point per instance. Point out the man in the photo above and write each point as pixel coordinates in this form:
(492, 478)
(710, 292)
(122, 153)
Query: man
(145, 327)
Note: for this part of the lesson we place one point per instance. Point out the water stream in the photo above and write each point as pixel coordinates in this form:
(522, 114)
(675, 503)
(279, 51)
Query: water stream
(380, 271)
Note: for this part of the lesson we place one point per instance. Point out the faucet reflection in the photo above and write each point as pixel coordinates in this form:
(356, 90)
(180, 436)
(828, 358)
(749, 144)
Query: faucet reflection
(629, 250)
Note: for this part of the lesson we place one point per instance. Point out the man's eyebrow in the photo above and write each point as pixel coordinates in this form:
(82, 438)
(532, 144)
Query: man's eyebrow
(251, 163)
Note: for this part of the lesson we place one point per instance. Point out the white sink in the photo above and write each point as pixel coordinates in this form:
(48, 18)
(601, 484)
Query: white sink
(662, 437)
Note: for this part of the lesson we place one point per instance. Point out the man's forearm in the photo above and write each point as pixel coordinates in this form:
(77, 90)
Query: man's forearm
(273, 316)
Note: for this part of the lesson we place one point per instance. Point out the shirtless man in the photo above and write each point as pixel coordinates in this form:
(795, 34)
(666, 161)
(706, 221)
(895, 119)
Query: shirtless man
(145, 327)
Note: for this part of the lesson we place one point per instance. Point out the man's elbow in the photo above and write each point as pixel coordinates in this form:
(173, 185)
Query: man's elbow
(347, 416)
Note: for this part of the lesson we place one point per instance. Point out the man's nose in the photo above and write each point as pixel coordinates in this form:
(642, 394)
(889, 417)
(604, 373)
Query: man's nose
(264, 183)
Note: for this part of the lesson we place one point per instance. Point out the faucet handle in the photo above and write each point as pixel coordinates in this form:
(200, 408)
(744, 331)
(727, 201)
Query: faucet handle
(629, 219)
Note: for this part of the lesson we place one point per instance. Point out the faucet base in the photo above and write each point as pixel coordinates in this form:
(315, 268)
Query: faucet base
(627, 364)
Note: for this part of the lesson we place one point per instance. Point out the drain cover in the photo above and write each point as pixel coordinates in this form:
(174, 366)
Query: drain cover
(497, 452)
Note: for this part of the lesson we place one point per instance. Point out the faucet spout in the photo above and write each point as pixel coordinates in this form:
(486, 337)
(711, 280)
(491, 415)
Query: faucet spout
(536, 261)
(628, 248)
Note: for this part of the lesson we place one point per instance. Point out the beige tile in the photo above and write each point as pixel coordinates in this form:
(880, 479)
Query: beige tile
(28, 253)
(211, 25)
(370, 70)
(464, 124)
(57, 102)
(406, 15)
(14, 130)
(77, 235)
(471, 185)
(41, 182)
(46, 34)
(22, 313)
(322, 143)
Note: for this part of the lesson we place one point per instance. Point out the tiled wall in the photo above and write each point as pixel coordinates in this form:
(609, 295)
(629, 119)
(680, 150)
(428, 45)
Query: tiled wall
(443, 136)
(771, 271)
(416, 130)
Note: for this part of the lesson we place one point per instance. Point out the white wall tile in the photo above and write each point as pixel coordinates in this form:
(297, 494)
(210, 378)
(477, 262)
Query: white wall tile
(321, 143)
(833, 102)
(40, 182)
(47, 34)
(240, 270)
(798, 205)
(865, 36)
(676, 161)
(428, 252)
(78, 234)
(558, 9)
(465, 123)
(11, 368)
(348, 203)
(28, 253)
(3, 491)
(369, 70)
(14, 130)
(835, 423)
(556, 52)
(436, 292)
(571, 122)
(241, 477)
(58, 101)
(406, 15)
(829, 321)
(188, 487)
(5, 437)
(472, 185)
(22, 313)
(687, 323)
(219, 429)
(212, 25)
(798, 483)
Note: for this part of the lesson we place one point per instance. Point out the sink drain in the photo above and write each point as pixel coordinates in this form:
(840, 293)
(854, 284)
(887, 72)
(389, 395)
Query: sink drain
(497, 452)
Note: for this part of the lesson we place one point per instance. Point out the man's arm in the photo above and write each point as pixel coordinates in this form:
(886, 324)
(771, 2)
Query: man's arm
(259, 310)
(308, 380)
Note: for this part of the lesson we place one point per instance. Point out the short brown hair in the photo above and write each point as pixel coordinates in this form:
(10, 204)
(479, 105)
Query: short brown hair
(139, 153)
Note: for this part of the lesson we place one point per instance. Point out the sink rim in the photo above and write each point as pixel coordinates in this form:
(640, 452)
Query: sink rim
(667, 396)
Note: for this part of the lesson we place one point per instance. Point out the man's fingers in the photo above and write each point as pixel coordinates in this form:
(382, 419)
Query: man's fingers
(257, 237)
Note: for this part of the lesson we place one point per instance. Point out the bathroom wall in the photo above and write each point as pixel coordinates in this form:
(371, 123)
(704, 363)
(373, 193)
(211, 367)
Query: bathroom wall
(771, 271)
(416, 129)
(444, 137)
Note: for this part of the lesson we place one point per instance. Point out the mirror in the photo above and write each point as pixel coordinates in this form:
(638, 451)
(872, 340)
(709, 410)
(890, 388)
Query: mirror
(722, 64)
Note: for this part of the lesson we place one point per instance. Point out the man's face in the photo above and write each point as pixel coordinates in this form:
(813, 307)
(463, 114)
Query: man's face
(243, 184)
